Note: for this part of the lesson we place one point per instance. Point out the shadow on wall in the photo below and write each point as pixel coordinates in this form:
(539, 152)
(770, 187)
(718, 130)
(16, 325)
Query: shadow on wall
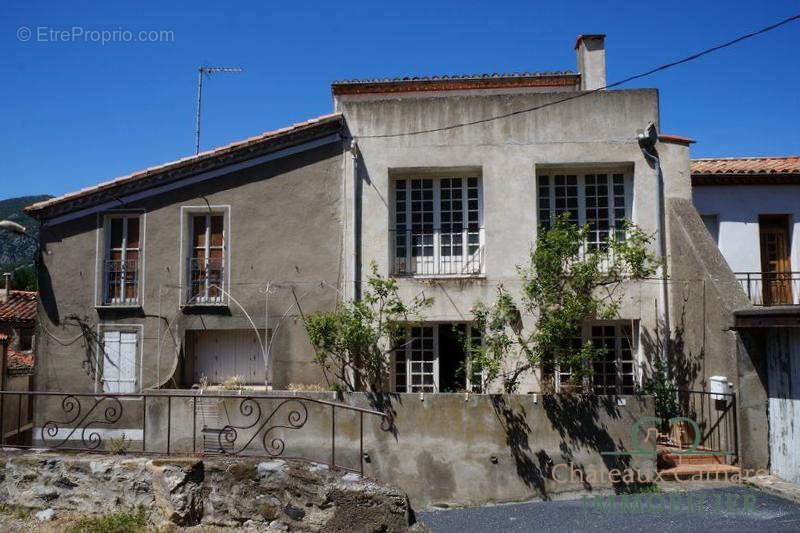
(576, 418)
(683, 365)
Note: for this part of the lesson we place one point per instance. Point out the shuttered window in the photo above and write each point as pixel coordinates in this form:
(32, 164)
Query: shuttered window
(207, 259)
(121, 265)
(119, 361)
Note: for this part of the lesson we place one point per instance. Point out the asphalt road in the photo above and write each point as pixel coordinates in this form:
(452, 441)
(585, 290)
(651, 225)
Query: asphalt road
(727, 509)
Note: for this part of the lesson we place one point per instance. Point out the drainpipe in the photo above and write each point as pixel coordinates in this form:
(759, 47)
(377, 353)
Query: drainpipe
(647, 142)
(355, 266)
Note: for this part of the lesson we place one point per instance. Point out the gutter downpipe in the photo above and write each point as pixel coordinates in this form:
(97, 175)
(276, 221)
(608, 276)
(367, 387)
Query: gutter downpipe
(356, 226)
(647, 142)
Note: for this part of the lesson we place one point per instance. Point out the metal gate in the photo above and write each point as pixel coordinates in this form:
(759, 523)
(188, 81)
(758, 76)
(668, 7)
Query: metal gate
(783, 378)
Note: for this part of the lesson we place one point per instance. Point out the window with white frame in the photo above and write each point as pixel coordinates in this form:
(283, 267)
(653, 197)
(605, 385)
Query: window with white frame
(438, 226)
(601, 200)
(121, 261)
(206, 261)
(614, 370)
(432, 358)
(118, 373)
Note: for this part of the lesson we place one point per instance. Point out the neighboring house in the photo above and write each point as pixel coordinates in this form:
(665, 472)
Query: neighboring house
(751, 207)
(18, 323)
(200, 269)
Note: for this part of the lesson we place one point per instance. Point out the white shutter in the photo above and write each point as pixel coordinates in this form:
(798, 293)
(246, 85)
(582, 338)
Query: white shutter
(111, 361)
(127, 362)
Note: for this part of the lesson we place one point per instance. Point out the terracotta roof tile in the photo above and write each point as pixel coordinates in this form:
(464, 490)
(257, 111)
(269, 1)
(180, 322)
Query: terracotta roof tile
(19, 360)
(19, 308)
(172, 165)
(747, 165)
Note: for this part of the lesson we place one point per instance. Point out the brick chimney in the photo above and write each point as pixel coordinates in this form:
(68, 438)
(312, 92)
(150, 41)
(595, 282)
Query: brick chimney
(591, 54)
(7, 284)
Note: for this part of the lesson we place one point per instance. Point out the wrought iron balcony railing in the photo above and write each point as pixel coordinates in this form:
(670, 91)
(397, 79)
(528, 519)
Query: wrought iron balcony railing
(455, 251)
(771, 288)
(121, 282)
(206, 285)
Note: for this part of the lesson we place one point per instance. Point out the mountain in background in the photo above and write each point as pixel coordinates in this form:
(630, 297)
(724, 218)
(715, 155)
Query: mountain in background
(16, 250)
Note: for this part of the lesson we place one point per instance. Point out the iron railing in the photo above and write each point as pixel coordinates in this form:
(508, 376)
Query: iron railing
(714, 414)
(770, 288)
(121, 282)
(455, 251)
(206, 281)
(257, 425)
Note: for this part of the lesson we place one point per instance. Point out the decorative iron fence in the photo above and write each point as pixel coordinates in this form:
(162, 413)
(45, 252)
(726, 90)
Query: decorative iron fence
(206, 277)
(275, 426)
(452, 251)
(122, 282)
(715, 417)
(770, 288)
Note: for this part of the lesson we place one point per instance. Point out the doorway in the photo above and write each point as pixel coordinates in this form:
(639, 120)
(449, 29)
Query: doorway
(775, 263)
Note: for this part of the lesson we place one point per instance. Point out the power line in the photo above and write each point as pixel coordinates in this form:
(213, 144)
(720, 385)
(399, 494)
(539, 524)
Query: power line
(587, 93)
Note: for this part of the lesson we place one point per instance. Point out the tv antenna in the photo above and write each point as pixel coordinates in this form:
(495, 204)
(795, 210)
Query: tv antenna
(200, 71)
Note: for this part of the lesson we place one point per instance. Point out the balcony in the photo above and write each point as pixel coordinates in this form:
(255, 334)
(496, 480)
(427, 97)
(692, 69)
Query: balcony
(770, 288)
(456, 252)
(121, 282)
(206, 284)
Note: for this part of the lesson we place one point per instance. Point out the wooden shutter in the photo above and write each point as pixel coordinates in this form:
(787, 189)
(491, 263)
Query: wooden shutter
(111, 361)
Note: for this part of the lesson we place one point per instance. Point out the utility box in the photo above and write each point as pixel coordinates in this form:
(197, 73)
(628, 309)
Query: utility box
(719, 387)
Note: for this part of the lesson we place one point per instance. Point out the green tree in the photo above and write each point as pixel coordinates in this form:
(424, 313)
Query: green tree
(566, 282)
(353, 343)
(24, 278)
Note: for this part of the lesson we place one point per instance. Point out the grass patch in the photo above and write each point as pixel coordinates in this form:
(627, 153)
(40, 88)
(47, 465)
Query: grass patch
(17, 511)
(122, 522)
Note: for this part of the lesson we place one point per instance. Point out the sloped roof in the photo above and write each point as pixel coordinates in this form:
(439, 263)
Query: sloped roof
(747, 165)
(19, 362)
(746, 170)
(19, 308)
(173, 170)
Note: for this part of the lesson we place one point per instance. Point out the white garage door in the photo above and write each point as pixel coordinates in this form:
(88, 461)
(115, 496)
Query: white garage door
(222, 354)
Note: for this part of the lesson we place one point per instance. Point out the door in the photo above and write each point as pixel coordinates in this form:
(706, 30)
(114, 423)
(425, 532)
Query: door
(220, 355)
(775, 266)
(783, 381)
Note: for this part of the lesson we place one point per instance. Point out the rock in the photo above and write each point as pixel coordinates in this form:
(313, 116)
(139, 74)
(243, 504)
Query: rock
(272, 470)
(178, 490)
(295, 513)
(46, 515)
(277, 525)
(351, 477)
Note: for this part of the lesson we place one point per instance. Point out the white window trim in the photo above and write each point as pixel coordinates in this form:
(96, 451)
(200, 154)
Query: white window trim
(437, 210)
(407, 349)
(100, 353)
(627, 180)
(636, 353)
(102, 241)
(185, 249)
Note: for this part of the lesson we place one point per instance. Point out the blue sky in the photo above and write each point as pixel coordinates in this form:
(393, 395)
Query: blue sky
(77, 113)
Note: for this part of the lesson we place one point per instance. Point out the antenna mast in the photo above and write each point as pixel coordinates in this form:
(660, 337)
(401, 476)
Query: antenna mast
(200, 71)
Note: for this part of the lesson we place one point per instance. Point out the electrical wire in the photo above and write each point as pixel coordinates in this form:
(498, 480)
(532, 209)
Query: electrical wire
(587, 93)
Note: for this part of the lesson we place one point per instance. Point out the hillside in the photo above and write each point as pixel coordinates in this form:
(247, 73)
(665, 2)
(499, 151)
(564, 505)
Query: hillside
(16, 250)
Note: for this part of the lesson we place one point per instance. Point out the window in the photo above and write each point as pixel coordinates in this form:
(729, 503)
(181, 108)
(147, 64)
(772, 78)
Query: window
(119, 361)
(437, 226)
(25, 340)
(121, 264)
(206, 268)
(614, 370)
(599, 200)
(432, 358)
(712, 225)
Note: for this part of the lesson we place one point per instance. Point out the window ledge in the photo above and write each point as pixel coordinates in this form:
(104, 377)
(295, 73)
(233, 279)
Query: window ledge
(122, 307)
(439, 276)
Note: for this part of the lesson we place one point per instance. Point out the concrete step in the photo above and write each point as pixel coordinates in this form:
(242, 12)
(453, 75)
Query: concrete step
(716, 472)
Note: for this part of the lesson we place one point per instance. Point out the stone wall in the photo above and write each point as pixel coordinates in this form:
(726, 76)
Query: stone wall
(215, 491)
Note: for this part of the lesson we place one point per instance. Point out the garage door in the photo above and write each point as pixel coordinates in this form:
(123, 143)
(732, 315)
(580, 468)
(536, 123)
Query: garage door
(222, 354)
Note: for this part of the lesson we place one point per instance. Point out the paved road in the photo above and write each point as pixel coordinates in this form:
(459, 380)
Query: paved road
(750, 510)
